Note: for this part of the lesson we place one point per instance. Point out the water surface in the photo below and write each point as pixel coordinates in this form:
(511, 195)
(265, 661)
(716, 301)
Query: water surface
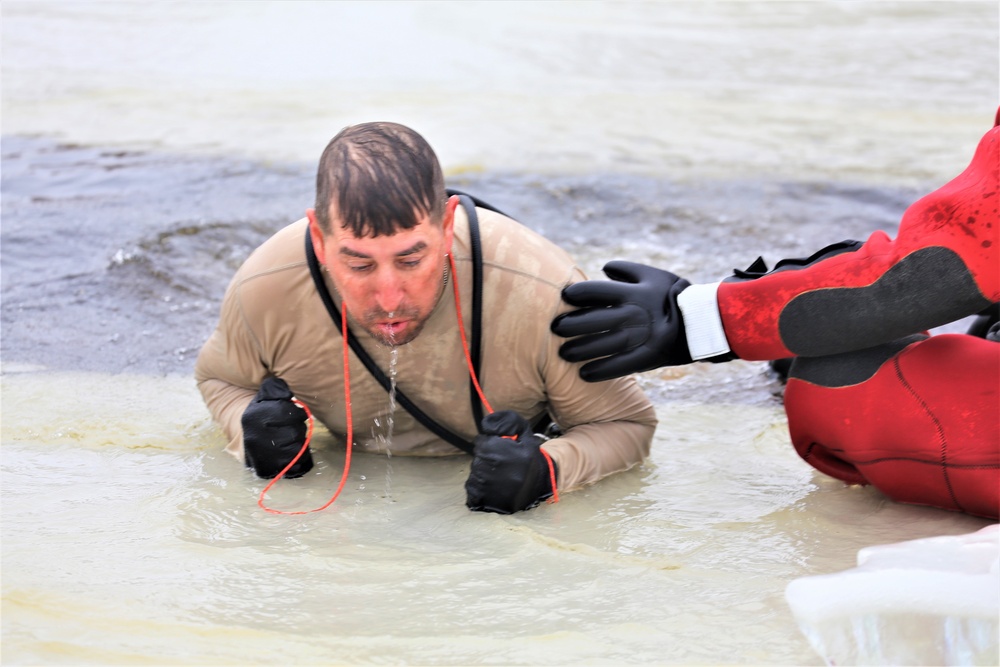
(149, 147)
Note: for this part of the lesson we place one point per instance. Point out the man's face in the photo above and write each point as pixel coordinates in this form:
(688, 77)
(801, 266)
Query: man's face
(389, 284)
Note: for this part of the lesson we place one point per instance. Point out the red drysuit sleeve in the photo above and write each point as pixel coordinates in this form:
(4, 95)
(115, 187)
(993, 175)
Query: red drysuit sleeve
(942, 266)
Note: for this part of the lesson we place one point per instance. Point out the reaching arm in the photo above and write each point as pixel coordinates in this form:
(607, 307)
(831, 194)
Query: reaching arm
(942, 266)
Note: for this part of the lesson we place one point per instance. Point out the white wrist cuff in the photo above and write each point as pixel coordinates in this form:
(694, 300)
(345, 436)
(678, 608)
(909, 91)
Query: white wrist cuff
(699, 305)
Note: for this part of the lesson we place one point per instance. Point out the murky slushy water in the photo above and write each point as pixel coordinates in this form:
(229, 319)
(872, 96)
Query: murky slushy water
(129, 538)
(147, 148)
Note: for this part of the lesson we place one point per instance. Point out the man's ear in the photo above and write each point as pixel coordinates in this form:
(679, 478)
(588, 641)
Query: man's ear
(448, 221)
(450, 205)
(316, 233)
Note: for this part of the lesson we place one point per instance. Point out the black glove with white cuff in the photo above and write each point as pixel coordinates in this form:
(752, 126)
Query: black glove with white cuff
(629, 324)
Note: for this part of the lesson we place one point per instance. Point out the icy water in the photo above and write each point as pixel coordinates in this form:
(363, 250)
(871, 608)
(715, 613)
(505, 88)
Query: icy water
(148, 147)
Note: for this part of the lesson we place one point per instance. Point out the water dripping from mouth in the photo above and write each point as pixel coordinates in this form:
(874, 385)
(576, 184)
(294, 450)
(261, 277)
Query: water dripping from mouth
(390, 420)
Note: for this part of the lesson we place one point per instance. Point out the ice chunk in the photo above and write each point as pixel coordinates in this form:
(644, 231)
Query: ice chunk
(933, 601)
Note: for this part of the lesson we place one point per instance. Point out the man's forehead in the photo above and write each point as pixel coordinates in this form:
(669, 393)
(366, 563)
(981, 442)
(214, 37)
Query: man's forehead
(402, 242)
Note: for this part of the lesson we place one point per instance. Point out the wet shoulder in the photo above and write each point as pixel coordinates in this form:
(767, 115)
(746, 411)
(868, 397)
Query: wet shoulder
(512, 247)
(274, 284)
(285, 251)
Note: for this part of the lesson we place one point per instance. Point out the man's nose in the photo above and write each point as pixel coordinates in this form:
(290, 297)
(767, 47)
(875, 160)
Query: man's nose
(388, 291)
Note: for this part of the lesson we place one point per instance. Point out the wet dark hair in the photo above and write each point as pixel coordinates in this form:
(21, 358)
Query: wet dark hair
(380, 178)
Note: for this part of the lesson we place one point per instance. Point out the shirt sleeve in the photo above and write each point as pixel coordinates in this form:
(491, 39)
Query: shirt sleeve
(229, 370)
(943, 265)
(607, 426)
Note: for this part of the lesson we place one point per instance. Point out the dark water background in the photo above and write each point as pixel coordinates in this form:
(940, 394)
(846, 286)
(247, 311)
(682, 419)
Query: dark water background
(116, 260)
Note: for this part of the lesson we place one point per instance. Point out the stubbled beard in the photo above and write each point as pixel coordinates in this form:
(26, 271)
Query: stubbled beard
(370, 324)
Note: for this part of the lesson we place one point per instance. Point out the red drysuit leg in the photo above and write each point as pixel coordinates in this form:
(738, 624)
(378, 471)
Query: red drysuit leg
(923, 427)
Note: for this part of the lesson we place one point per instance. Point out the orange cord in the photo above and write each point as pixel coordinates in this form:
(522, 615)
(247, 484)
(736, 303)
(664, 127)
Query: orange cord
(350, 425)
(305, 445)
(475, 380)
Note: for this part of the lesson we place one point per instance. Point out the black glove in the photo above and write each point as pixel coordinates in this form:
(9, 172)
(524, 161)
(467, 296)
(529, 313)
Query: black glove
(274, 429)
(633, 321)
(507, 475)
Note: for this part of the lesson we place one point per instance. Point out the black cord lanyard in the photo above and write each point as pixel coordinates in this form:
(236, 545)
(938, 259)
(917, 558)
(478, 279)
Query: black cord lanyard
(469, 203)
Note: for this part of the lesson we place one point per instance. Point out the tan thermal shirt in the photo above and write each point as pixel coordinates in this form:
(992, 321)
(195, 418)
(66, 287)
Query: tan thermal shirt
(273, 322)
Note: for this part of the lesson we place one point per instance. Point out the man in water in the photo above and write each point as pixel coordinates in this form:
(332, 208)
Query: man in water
(870, 397)
(386, 246)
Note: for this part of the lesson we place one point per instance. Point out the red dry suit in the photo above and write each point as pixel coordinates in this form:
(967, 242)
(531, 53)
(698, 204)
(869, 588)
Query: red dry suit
(869, 399)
